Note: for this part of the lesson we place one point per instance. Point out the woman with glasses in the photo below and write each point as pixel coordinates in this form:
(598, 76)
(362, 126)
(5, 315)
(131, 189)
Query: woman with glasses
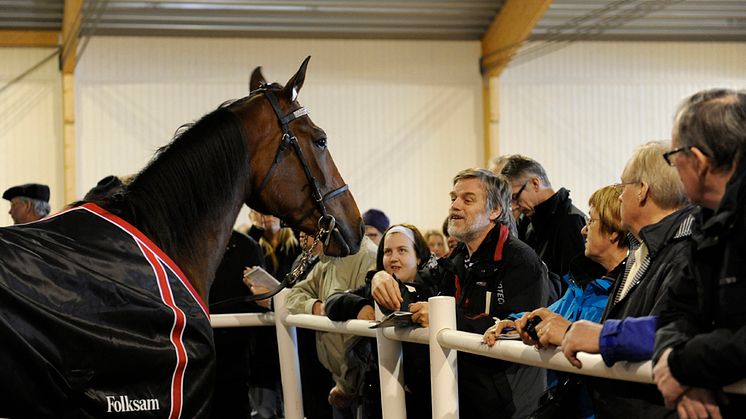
(589, 282)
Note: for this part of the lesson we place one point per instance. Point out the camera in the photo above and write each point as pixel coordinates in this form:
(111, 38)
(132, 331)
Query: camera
(531, 327)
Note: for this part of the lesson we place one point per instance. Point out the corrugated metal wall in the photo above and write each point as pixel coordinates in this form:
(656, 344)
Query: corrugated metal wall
(30, 124)
(580, 111)
(402, 116)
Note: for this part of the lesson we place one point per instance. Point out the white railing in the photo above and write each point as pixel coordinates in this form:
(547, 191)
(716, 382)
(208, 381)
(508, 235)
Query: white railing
(444, 342)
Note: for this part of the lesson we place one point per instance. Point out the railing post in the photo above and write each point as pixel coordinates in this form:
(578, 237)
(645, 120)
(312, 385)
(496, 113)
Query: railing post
(391, 374)
(443, 369)
(287, 344)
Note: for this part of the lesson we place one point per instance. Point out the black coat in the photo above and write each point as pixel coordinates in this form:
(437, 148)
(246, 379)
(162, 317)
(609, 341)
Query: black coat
(554, 234)
(504, 276)
(342, 306)
(705, 310)
(668, 243)
(232, 345)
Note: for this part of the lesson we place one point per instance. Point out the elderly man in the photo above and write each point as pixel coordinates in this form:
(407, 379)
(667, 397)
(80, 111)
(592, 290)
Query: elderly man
(554, 230)
(28, 203)
(491, 274)
(700, 341)
(654, 210)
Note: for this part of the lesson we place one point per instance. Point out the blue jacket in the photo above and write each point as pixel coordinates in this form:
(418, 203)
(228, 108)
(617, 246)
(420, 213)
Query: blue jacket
(587, 293)
(585, 299)
(580, 303)
(629, 339)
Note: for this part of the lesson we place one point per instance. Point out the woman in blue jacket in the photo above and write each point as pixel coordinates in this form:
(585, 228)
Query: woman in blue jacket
(589, 282)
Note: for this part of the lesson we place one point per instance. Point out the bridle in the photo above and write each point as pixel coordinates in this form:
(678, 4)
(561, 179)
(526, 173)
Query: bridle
(326, 224)
(326, 221)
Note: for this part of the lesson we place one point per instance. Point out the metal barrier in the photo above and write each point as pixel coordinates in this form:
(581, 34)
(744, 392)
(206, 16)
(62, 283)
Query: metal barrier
(444, 342)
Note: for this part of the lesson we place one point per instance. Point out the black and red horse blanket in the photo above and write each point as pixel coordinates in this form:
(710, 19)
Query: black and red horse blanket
(96, 321)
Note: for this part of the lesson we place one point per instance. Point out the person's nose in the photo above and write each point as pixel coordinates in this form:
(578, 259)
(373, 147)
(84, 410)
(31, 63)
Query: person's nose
(584, 231)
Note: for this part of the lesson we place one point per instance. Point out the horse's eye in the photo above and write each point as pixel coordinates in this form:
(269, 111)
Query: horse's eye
(321, 143)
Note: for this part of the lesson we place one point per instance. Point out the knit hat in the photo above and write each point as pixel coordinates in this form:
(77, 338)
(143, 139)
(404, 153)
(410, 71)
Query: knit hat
(28, 190)
(376, 218)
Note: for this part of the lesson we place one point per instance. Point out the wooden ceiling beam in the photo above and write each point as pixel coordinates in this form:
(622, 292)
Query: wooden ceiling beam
(71, 21)
(512, 25)
(18, 38)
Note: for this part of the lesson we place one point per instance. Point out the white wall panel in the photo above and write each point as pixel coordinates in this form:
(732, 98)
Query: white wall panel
(402, 116)
(30, 124)
(580, 111)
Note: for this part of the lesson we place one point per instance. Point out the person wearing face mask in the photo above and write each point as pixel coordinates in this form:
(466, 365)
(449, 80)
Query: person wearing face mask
(403, 256)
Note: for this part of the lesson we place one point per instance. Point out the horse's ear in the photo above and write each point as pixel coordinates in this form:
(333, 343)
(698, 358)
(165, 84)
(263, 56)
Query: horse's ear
(296, 82)
(257, 79)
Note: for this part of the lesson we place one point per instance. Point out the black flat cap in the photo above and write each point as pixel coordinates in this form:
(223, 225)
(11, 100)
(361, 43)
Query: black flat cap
(29, 190)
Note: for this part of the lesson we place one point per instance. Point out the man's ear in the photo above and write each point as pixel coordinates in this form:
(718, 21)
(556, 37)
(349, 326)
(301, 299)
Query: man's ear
(495, 213)
(642, 193)
(535, 183)
(700, 160)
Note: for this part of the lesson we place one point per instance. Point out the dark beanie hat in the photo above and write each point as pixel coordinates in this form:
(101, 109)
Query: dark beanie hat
(104, 188)
(29, 190)
(376, 218)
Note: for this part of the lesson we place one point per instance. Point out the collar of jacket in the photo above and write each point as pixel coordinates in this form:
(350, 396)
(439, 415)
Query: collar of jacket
(711, 224)
(672, 227)
(544, 212)
(490, 250)
(583, 270)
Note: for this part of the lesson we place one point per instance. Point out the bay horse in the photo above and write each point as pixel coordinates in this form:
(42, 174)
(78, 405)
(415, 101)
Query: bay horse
(102, 306)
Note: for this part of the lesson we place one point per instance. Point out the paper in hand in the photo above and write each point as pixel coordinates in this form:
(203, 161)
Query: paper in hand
(260, 277)
(396, 319)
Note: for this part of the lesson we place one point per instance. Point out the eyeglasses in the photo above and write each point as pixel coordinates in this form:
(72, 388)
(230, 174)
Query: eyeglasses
(515, 196)
(620, 186)
(667, 155)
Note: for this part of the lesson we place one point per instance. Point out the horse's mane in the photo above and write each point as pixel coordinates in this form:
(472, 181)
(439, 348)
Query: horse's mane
(185, 188)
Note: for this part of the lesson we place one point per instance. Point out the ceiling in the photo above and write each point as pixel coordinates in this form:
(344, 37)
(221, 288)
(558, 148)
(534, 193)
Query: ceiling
(565, 20)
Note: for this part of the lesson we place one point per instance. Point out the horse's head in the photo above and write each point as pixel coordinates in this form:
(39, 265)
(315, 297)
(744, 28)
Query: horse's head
(293, 175)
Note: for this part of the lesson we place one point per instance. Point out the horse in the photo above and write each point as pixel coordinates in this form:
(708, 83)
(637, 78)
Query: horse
(102, 306)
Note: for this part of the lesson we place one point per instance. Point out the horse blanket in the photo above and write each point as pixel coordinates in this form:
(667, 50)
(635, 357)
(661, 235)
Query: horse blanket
(96, 321)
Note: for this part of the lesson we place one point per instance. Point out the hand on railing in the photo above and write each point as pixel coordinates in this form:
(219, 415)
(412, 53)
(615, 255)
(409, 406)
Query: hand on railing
(318, 309)
(420, 313)
(698, 403)
(366, 313)
(668, 385)
(552, 328)
(582, 337)
(500, 327)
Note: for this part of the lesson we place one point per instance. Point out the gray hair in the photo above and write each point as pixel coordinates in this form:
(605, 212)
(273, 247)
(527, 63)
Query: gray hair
(647, 165)
(497, 193)
(714, 121)
(520, 167)
(497, 163)
(40, 208)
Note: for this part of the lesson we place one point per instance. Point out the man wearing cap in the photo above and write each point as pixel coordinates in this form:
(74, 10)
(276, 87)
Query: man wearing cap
(28, 203)
(376, 222)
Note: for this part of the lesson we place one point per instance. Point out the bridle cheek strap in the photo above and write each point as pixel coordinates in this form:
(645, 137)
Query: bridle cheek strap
(289, 139)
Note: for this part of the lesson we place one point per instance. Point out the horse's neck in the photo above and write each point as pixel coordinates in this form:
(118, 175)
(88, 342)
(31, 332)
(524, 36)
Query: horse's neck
(211, 244)
(197, 242)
